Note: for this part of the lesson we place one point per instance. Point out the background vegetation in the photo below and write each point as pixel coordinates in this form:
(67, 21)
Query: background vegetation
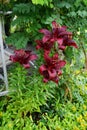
(31, 104)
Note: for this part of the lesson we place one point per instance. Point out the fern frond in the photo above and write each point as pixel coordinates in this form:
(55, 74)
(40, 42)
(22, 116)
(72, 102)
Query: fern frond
(23, 8)
(21, 21)
(18, 39)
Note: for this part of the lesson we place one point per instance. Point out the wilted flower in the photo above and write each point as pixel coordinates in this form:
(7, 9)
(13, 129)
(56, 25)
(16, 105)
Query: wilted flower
(23, 57)
(51, 69)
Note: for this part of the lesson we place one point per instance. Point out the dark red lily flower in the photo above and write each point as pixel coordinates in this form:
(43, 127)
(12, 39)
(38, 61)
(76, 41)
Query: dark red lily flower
(58, 31)
(54, 62)
(59, 34)
(45, 46)
(62, 36)
(23, 57)
(66, 41)
(49, 74)
(51, 69)
(47, 35)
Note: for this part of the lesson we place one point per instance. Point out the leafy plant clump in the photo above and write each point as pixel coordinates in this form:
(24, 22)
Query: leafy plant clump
(31, 104)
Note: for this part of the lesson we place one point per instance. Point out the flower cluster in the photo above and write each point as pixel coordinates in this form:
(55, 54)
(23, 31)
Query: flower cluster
(51, 69)
(23, 57)
(58, 34)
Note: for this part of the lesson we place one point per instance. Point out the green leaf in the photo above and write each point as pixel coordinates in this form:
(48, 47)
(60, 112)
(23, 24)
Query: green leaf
(19, 40)
(38, 2)
(41, 2)
(85, 2)
(64, 4)
(72, 14)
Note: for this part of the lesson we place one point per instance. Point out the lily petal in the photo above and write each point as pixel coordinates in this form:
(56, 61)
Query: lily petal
(52, 74)
(33, 57)
(26, 66)
(62, 63)
(60, 41)
(54, 24)
(42, 68)
(45, 31)
(72, 43)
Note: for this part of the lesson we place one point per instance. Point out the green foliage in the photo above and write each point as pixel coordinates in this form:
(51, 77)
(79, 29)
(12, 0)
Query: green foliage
(23, 8)
(36, 92)
(42, 2)
(31, 104)
(20, 40)
(27, 19)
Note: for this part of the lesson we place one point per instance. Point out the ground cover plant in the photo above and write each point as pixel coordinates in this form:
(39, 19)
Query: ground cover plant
(48, 88)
